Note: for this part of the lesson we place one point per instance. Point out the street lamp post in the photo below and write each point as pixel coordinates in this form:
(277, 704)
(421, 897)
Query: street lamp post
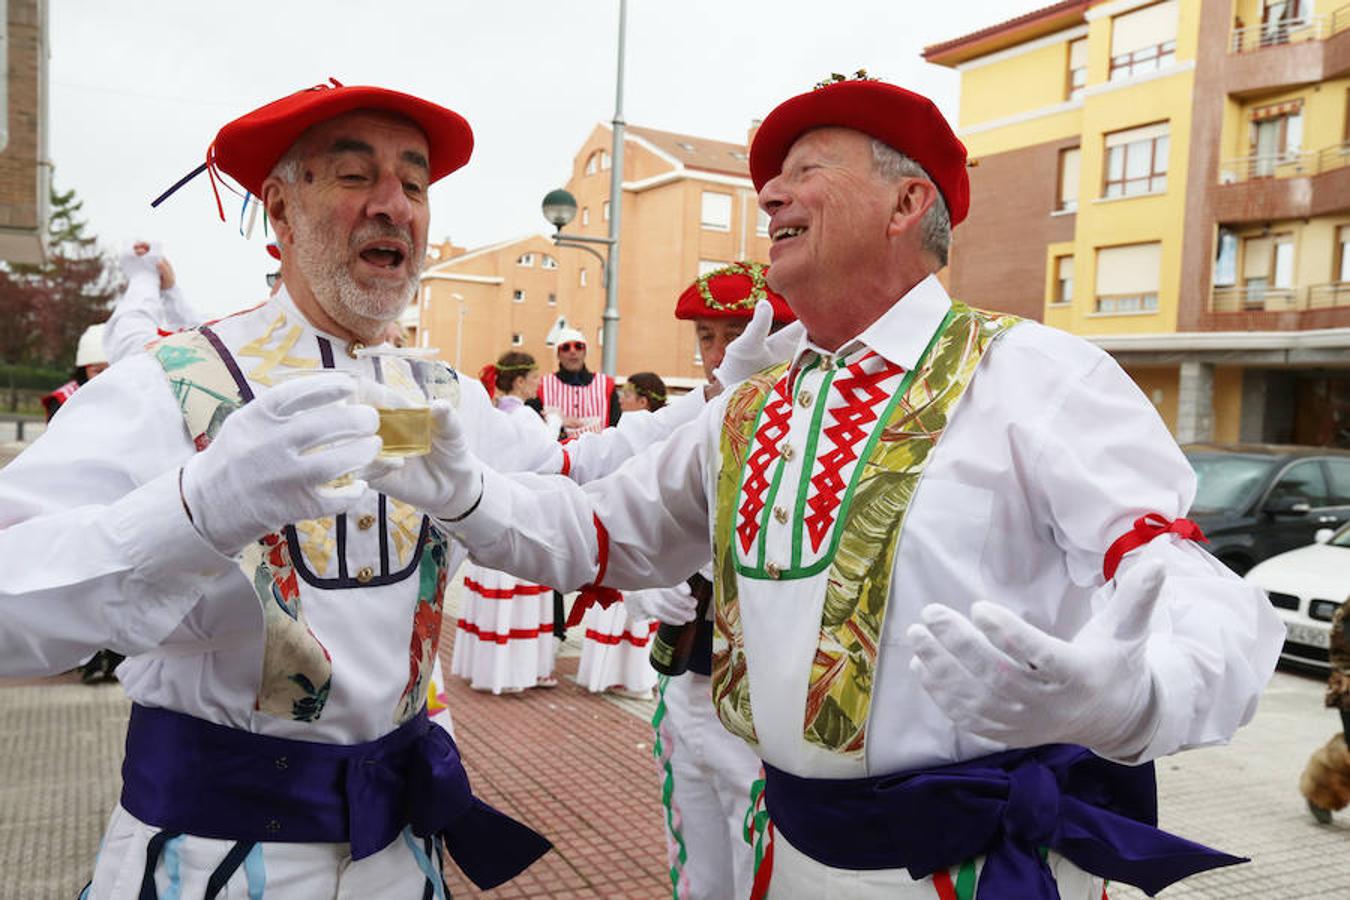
(459, 329)
(560, 207)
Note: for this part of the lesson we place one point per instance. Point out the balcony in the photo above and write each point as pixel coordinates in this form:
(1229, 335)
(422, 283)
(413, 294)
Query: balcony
(1277, 309)
(1283, 186)
(1272, 55)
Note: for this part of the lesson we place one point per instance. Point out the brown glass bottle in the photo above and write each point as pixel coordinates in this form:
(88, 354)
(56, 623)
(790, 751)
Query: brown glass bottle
(673, 645)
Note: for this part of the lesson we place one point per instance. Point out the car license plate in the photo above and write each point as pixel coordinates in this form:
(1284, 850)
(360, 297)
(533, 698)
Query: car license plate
(1310, 635)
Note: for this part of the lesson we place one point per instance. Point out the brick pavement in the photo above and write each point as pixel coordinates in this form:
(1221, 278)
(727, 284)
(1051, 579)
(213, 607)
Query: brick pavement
(578, 767)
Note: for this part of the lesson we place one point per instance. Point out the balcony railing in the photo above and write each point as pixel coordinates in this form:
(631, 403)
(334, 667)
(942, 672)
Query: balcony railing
(1274, 34)
(1277, 300)
(1284, 165)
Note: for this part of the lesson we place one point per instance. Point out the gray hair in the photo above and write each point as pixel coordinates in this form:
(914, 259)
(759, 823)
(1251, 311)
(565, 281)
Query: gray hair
(288, 167)
(936, 225)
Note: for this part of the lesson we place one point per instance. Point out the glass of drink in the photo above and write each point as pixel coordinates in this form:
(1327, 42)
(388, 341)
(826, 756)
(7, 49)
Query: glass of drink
(401, 387)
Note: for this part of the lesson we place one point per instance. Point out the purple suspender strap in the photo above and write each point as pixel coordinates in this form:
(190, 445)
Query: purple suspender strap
(188, 775)
(1098, 814)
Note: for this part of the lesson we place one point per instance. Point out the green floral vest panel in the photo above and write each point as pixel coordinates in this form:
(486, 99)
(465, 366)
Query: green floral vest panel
(860, 555)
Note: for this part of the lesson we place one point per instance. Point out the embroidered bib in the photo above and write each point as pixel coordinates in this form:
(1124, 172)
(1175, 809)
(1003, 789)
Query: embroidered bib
(297, 671)
(852, 529)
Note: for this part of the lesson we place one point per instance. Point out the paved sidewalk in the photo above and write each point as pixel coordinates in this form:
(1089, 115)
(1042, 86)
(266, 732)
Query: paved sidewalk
(578, 767)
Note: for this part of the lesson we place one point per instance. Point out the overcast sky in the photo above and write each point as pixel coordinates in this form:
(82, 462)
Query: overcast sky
(140, 87)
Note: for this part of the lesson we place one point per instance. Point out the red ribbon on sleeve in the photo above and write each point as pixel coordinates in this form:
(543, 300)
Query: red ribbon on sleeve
(1145, 529)
(594, 592)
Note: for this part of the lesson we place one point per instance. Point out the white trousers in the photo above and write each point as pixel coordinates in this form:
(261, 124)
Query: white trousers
(711, 773)
(798, 877)
(275, 871)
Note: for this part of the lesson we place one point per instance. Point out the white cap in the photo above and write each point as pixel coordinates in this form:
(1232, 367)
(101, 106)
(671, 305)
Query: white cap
(564, 335)
(90, 349)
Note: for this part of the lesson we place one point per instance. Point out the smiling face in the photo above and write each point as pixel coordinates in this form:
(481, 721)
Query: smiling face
(353, 223)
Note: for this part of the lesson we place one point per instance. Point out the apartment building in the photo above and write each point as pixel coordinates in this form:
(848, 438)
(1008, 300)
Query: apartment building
(1171, 180)
(689, 207)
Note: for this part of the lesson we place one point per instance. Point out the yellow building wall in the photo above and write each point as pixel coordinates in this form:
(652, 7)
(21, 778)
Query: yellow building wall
(1227, 404)
(1110, 222)
(1160, 386)
(1021, 83)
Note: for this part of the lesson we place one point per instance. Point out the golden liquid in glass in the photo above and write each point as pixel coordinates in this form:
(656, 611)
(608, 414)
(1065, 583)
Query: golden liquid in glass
(405, 432)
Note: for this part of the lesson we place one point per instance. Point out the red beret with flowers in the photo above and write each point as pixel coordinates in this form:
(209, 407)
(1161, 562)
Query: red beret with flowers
(731, 292)
(901, 119)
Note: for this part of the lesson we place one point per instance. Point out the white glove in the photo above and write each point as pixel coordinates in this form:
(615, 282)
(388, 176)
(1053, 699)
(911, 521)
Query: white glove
(273, 458)
(134, 263)
(1011, 682)
(447, 481)
(756, 349)
(673, 605)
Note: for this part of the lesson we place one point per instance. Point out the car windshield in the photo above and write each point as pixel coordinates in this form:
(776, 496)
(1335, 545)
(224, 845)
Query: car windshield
(1227, 482)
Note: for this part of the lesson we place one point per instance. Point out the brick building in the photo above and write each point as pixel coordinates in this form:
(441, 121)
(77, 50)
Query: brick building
(1171, 180)
(25, 170)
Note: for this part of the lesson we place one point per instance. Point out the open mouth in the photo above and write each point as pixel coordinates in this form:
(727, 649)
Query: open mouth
(788, 231)
(384, 254)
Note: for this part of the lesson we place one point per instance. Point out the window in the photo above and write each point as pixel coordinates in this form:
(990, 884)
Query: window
(1339, 472)
(1067, 197)
(1267, 267)
(525, 259)
(604, 211)
(762, 224)
(585, 215)
(1304, 481)
(1342, 272)
(1276, 137)
(549, 262)
(1127, 278)
(1225, 259)
(716, 211)
(597, 162)
(552, 299)
(709, 265)
(517, 339)
(517, 296)
(1063, 290)
(1076, 79)
(1136, 161)
(1143, 40)
(1278, 17)
(581, 277)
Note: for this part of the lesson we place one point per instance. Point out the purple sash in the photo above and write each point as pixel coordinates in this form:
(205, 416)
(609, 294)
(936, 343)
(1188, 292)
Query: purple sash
(188, 775)
(1098, 814)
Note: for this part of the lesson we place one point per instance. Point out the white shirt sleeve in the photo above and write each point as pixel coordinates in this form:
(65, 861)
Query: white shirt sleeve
(1104, 460)
(98, 549)
(653, 509)
(596, 454)
(136, 318)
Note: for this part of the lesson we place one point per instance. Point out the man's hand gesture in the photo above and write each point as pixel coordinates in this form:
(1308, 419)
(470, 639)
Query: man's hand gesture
(999, 677)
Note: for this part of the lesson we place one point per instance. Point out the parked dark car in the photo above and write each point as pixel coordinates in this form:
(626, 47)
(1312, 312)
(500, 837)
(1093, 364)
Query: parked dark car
(1256, 500)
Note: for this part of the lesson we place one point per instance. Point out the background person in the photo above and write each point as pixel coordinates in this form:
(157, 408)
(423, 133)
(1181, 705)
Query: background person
(504, 636)
(615, 641)
(586, 401)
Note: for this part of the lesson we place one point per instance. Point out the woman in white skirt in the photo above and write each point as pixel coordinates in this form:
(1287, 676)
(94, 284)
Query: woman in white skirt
(504, 636)
(617, 640)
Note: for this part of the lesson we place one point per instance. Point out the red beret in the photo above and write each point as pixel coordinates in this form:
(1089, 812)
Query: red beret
(731, 292)
(899, 118)
(249, 147)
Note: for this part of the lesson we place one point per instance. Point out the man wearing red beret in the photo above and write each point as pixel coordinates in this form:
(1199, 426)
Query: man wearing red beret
(958, 608)
(280, 617)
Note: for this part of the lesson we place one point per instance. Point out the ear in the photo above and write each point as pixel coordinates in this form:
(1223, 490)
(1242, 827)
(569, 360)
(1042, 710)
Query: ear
(274, 197)
(913, 199)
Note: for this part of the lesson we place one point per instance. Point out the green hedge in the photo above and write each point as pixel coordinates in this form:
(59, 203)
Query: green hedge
(32, 377)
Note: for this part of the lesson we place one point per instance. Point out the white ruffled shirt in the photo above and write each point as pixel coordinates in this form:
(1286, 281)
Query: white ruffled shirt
(1049, 457)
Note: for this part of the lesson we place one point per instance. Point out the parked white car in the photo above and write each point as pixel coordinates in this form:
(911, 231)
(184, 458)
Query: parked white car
(1305, 587)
